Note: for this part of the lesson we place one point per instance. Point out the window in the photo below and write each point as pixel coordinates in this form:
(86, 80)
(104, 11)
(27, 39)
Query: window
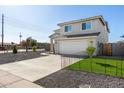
(86, 26)
(68, 28)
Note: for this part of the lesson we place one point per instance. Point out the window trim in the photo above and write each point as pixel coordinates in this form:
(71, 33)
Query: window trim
(86, 22)
(68, 31)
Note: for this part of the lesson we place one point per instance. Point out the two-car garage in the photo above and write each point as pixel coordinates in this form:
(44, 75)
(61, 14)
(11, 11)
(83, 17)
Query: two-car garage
(74, 46)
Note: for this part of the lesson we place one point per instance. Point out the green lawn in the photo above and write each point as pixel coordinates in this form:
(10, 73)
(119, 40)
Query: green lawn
(109, 66)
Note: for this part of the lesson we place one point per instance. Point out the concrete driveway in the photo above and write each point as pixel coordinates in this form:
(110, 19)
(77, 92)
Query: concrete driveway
(34, 69)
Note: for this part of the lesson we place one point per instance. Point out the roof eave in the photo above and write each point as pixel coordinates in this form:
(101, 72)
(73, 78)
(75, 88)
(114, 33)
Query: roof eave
(85, 19)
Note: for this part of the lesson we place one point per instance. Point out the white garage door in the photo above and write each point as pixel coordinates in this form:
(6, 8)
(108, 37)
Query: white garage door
(73, 46)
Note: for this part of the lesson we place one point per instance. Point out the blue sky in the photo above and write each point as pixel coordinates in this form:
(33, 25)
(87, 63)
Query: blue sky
(44, 19)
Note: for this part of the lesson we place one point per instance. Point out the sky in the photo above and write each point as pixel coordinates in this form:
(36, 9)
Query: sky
(39, 21)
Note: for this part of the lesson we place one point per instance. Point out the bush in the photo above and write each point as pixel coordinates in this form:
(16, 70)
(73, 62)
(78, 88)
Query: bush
(14, 50)
(90, 50)
(34, 48)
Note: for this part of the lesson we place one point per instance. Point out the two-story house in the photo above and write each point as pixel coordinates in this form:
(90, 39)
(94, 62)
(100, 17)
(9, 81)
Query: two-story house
(74, 37)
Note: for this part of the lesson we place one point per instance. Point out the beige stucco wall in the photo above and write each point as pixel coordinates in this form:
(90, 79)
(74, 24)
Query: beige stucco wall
(77, 27)
(103, 37)
(96, 25)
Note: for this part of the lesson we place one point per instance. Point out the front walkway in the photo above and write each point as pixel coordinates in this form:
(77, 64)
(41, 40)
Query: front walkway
(33, 69)
(8, 80)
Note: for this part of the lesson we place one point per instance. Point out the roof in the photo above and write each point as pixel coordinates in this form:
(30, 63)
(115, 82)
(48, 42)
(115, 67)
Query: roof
(5, 43)
(82, 32)
(57, 30)
(100, 17)
(54, 35)
(86, 34)
(79, 35)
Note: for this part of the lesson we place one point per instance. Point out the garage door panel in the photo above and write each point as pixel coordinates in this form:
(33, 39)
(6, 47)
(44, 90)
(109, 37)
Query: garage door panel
(72, 46)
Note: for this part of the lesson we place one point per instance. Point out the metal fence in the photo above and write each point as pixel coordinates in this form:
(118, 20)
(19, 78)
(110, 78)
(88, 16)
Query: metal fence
(109, 65)
(67, 60)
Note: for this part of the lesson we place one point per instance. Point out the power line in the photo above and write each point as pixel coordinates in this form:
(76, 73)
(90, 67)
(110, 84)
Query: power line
(21, 24)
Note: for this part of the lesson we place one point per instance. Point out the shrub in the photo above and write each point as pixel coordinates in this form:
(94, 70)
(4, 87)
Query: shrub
(34, 48)
(14, 50)
(90, 50)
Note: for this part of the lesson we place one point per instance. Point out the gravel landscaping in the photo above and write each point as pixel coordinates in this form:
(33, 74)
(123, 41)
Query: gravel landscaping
(10, 57)
(73, 79)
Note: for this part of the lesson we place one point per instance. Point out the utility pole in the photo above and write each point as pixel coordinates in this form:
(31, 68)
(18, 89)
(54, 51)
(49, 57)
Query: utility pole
(2, 30)
(20, 37)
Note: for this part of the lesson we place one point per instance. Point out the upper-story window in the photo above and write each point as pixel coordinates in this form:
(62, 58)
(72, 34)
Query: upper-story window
(68, 28)
(86, 26)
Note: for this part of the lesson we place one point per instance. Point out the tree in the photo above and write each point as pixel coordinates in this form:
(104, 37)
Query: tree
(24, 44)
(33, 42)
(90, 50)
(28, 42)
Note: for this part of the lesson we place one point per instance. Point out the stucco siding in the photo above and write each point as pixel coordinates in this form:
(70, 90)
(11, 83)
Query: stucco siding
(96, 26)
(77, 27)
(103, 37)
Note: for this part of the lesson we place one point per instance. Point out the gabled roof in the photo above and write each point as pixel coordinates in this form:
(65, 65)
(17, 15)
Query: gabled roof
(100, 17)
(54, 35)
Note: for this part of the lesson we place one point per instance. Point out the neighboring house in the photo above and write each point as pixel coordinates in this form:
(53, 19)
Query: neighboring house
(74, 37)
(44, 45)
(6, 45)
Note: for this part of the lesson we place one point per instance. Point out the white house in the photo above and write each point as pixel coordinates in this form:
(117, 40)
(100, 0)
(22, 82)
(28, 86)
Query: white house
(74, 37)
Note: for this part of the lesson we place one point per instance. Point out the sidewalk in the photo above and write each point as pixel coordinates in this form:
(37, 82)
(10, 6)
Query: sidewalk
(8, 80)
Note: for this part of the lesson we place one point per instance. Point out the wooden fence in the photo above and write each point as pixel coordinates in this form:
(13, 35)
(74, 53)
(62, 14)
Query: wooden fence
(111, 49)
